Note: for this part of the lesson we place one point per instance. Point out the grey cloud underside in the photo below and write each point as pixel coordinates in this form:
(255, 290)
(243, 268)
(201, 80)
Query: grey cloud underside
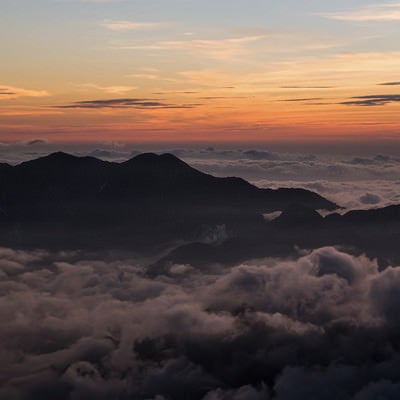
(221, 97)
(341, 179)
(307, 87)
(302, 100)
(35, 142)
(367, 100)
(373, 100)
(370, 198)
(125, 103)
(176, 92)
(323, 325)
(389, 84)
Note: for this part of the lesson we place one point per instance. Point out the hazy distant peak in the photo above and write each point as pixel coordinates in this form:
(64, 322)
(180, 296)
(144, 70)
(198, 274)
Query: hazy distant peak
(57, 156)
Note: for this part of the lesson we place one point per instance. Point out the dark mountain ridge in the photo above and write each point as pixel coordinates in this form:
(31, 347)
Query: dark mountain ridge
(144, 174)
(374, 232)
(151, 201)
(61, 199)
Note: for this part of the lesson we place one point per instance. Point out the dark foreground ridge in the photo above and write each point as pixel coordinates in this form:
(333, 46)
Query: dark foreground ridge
(82, 202)
(371, 232)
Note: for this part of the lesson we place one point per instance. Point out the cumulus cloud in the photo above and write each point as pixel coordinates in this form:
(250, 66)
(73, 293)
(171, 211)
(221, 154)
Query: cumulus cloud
(72, 327)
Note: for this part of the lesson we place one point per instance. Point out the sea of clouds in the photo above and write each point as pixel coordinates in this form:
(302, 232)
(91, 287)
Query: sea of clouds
(324, 325)
(351, 181)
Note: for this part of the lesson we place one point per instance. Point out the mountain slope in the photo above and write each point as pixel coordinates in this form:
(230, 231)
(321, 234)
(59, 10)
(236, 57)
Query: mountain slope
(148, 199)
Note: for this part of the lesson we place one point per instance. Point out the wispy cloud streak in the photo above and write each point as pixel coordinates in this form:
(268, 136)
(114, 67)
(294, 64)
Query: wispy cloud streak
(373, 100)
(216, 48)
(124, 103)
(379, 12)
(123, 26)
(14, 92)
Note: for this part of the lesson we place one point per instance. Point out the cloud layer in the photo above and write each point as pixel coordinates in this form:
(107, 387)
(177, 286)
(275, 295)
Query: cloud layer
(345, 180)
(322, 326)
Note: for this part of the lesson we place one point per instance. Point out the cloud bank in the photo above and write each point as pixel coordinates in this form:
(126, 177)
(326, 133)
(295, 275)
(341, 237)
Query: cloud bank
(322, 326)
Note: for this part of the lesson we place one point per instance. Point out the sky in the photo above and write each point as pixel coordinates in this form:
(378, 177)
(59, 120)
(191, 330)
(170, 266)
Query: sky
(200, 71)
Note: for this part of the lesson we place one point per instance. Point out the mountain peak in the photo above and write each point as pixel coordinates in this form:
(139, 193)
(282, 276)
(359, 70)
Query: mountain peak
(153, 157)
(61, 161)
(164, 163)
(57, 157)
(61, 155)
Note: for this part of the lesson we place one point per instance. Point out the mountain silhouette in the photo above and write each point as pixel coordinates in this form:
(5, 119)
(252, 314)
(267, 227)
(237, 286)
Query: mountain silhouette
(147, 174)
(152, 203)
(64, 200)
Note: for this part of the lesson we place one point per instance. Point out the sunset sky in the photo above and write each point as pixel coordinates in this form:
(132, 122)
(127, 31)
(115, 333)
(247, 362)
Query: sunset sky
(199, 70)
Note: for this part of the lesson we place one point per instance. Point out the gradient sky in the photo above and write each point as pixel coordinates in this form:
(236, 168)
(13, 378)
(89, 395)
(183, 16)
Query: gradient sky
(199, 70)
